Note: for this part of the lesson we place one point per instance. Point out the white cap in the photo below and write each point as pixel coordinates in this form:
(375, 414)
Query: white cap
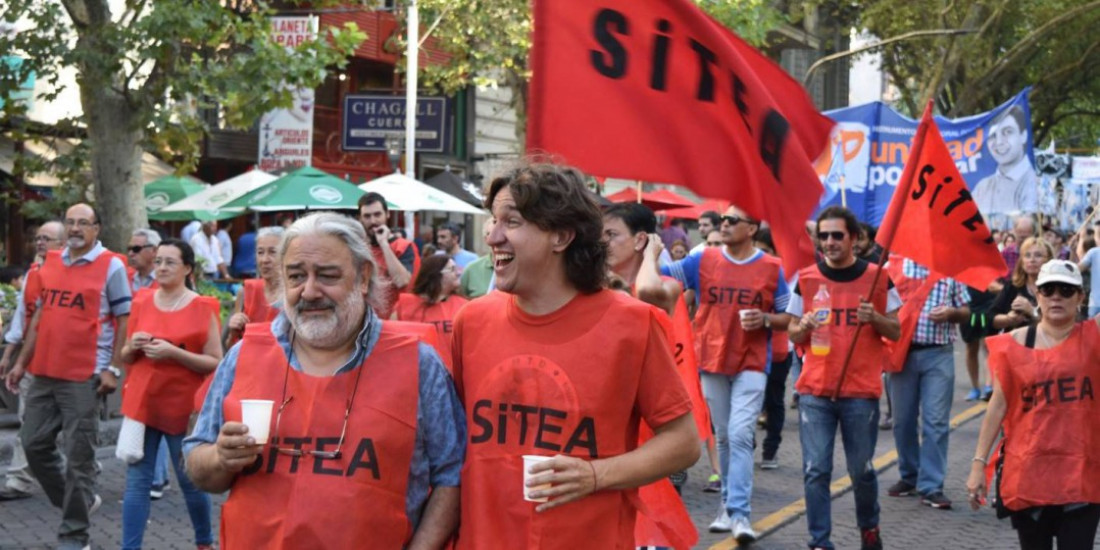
(1059, 271)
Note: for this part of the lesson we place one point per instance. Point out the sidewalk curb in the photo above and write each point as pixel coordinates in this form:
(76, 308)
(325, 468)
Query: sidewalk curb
(791, 512)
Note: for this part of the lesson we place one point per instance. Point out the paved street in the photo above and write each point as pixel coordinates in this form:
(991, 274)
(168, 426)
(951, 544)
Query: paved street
(905, 523)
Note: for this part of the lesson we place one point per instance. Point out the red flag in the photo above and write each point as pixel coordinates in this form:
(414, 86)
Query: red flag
(657, 90)
(932, 218)
(909, 315)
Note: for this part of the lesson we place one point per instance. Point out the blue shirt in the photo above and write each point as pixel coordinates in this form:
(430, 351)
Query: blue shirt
(440, 419)
(244, 261)
(463, 258)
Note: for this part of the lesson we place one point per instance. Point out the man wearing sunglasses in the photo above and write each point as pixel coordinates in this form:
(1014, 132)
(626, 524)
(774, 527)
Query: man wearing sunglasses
(18, 483)
(854, 408)
(742, 291)
(367, 434)
(141, 253)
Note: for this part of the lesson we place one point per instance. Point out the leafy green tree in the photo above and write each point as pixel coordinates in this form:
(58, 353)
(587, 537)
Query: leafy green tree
(1048, 44)
(151, 74)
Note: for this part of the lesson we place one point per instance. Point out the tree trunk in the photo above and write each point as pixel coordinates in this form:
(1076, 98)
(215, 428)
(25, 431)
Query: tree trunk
(116, 152)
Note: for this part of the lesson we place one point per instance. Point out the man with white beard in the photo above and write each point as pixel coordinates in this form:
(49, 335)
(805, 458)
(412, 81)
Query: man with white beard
(367, 433)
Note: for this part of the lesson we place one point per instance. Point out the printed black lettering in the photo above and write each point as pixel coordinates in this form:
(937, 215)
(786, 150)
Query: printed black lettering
(1066, 389)
(611, 62)
(547, 427)
(679, 352)
(258, 464)
(319, 462)
(660, 55)
(964, 197)
(364, 457)
(524, 410)
(935, 194)
(1027, 397)
(583, 437)
(502, 423)
(1046, 384)
(479, 421)
(704, 91)
(922, 183)
(297, 443)
(739, 93)
(772, 139)
(1086, 389)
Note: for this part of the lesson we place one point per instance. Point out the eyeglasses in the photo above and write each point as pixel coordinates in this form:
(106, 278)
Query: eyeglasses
(836, 235)
(734, 220)
(137, 249)
(44, 239)
(167, 262)
(1065, 290)
(83, 224)
(284, 401)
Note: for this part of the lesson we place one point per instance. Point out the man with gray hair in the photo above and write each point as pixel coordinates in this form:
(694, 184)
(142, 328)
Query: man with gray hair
(366, 420)
(141, 252)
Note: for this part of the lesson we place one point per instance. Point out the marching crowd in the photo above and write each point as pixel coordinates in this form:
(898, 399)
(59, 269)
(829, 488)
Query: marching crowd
(550, 394)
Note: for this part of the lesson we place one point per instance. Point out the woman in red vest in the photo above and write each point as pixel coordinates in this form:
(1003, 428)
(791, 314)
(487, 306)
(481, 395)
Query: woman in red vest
(433, 299)
(255, 302)
(172, 344)
(1044, 397)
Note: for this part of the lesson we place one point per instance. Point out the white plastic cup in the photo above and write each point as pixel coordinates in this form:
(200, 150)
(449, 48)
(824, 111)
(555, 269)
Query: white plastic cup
(528, 461)
(745, 313)
(256, 414)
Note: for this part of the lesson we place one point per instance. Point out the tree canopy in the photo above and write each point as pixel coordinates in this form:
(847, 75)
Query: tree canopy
(1047, 44)
(156, 75)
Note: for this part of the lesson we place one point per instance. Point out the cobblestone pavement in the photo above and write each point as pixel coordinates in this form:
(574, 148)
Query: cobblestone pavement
(31, 523)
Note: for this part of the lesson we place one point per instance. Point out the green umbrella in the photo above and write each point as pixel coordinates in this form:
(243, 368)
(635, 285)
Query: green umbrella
(169, 189)
(306, 188)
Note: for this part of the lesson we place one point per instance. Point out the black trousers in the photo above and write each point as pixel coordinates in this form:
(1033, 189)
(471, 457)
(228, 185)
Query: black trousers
(1074, 530)
(773, 406)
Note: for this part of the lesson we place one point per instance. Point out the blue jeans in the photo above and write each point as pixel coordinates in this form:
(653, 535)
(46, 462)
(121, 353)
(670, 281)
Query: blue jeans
(734, 403)
(924, 387)
(818, 421)
(160, 473)
(139, 479)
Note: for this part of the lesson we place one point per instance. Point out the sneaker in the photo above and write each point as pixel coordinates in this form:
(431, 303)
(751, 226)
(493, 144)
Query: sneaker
(96, 503)
(742, 531)
(973, 395)
(722, 523)
(7, 493)
(771, 463)
(714, 484)
(902, 489)
(157, 492)
(794, 401)
(936, 500)
(871, 538)
(987, 393)
(887, 423)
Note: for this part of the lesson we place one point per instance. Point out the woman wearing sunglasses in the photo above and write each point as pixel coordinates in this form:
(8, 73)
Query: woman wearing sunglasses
(1044, 399)
(171, 345)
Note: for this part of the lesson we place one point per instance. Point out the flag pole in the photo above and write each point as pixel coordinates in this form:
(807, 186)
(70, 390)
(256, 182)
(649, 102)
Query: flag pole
(907, 175)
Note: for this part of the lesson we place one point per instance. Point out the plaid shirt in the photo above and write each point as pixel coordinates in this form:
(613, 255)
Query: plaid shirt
(946, 292)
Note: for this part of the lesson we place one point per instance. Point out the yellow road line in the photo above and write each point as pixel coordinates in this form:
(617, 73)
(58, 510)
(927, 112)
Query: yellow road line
(795, 509)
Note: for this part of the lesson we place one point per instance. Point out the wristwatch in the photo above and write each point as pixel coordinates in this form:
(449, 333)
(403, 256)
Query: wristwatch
(114, 370)
(767, 321)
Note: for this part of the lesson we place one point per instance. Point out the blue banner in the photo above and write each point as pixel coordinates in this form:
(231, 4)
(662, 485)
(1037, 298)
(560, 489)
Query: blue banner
(993, 152)
(370, 119)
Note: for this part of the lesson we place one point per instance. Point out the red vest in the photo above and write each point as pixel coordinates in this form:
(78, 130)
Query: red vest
(1051, 452)
(441, 315)
(354, 501)
(547, 386)
(32, 289)
(161, 393)
(424, 332)
(255, 304)
(821, 373)
(69, 323)
(725, 288)
(683, 349)
(398, 246)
